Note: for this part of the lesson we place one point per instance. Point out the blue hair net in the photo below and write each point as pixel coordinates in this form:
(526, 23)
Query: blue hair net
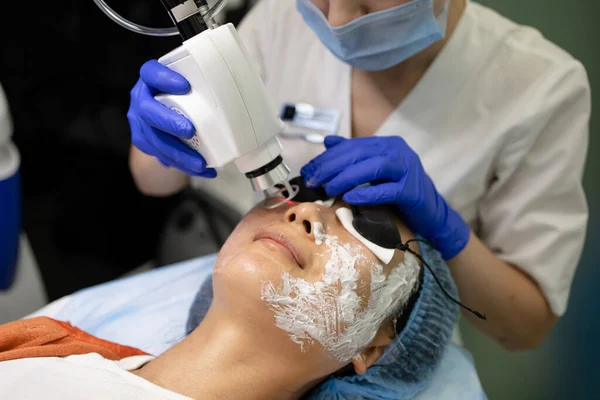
(407, 363)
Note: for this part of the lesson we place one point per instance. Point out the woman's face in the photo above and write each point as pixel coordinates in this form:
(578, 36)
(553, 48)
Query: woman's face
(297, 278)
(341, 12)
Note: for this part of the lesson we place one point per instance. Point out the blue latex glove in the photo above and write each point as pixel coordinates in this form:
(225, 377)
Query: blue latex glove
(155, 129)
(397, 177)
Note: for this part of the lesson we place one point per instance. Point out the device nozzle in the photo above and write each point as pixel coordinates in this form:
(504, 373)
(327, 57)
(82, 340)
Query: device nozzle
(266, 177)
(276, 199)
(270, 176)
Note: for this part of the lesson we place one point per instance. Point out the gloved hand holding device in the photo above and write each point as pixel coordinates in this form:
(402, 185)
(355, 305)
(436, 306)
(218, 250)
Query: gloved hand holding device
(400, 180)
(155, 129)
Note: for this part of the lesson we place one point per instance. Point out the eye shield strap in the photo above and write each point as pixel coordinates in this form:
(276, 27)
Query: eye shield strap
(377, 230)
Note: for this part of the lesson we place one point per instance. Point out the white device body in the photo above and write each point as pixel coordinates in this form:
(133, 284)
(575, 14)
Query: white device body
(228, 102)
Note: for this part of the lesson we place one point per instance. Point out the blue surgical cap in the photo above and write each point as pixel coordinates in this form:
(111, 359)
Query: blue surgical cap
(407, 363)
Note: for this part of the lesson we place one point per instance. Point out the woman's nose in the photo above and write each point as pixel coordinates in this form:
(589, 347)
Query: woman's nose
(305, 217)
(341, 12)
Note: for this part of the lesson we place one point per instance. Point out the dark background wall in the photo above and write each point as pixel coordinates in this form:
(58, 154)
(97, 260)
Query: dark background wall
(566, 366)
(67, 71)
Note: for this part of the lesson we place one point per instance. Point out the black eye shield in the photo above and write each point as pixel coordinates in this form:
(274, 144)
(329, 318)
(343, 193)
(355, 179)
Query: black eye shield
(377, 225)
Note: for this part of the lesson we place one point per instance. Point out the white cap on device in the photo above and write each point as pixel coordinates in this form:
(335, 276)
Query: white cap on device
(6, 127)
(9, 156)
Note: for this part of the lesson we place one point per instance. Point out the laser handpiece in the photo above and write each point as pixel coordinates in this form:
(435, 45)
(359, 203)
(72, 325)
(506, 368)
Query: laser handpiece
(228, 102)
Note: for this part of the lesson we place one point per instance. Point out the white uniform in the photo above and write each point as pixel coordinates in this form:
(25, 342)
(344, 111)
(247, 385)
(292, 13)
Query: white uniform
(500, 121)
(88, 376)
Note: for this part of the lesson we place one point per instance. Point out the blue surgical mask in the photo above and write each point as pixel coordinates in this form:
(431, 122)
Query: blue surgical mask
(379, 40)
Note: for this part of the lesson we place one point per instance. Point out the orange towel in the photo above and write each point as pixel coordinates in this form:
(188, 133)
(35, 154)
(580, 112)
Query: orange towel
(47, 337)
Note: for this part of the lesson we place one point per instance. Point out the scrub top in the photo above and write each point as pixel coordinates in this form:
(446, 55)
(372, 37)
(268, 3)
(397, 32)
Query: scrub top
(500, 121)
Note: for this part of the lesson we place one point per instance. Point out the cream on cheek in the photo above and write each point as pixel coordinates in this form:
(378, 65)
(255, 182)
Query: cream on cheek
(331, 311)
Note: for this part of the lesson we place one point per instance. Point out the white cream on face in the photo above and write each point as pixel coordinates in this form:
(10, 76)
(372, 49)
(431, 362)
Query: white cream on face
(331, 311)
(319, 233)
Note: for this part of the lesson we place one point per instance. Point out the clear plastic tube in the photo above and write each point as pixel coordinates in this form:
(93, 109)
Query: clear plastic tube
(215, 9)
(144, 30)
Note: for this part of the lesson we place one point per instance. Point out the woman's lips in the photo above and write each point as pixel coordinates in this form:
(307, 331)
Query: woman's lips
(282, 241)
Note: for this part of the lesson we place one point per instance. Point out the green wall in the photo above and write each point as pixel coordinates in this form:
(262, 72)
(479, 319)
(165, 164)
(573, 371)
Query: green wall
(566, 365)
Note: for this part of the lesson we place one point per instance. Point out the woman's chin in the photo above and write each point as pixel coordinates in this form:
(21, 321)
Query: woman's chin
(239, 279)
(249, 265)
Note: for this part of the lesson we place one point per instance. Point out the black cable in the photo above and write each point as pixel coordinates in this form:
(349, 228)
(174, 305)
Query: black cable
(420, 241)
(404, 247)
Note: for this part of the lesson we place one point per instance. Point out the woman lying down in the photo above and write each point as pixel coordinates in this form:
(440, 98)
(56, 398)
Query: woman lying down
(299, 307)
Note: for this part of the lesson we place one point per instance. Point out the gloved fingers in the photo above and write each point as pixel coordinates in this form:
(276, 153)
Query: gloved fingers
(140, 143)
(332, 141)
(370, 170)
(134, 94)
(385, 193)
(163, 161)
(138, 137)
(333, 161)
(207, 173)
(144, 147)
(174, 151)
(189, 172)
(158, 116)
(162, 78)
